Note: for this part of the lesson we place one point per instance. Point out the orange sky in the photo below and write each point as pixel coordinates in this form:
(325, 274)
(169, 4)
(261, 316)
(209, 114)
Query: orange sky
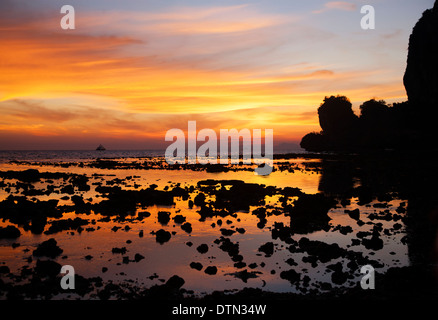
(125, 77)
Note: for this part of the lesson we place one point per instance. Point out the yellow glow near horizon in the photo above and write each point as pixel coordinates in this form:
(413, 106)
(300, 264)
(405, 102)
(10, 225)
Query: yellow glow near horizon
(54, 83)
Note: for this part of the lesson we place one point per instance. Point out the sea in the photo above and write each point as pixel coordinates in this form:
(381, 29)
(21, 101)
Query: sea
(84, 155)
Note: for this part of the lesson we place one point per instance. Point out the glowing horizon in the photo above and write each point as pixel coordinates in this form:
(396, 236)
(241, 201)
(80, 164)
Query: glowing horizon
(129, 72)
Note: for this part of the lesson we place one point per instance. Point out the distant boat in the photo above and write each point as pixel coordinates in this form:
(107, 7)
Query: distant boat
(100, 148)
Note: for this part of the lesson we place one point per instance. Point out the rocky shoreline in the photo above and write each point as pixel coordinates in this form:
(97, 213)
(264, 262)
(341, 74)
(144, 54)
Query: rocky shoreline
(219, 205)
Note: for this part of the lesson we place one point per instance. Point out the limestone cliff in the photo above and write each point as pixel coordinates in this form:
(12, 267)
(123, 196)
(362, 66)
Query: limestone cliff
(421, 75)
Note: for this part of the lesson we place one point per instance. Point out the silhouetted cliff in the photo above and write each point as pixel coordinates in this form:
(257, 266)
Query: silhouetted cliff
(411, 124)
(421, 76)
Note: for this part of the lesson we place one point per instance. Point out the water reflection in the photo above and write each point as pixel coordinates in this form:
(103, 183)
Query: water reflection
(370, 187)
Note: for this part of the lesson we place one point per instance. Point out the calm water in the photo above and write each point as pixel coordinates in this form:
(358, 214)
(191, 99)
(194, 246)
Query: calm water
(175, 256)
(73, 155)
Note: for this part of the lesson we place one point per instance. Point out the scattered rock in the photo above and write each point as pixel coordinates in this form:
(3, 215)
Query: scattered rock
(175, 282)
(138, 257)
(48, 248)
(354, 214)
(162, 236)
(179, 219)
(143, 214)
(4, 269)
(163, 217)
(203, 248)
(187, 227)
(211, 270)
(267, 249)
(375, 243)
(291, 262)
(47, 268)
(9, 232)
(196, 265)
(244, 275)
(227, 232)
(119, 250)
(320, 250)
(291, 275)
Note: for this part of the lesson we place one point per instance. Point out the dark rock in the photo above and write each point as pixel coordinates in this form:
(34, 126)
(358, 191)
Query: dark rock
(175, 282)
(291, 275)
(237, 258)
(38, 224)
(355, 242)
(267, 249)
(88, 257)
(354, 214)
(397, 226)
(48, 248)
(375, 243)
(143, 214)
(4, 269)
(162, 236)
(47, 268)
(66, 224)
(179, 219)
(339, 277)
(310, 213)
(281, 231)
(227, 232)
(343, 229)
(291, 262)
(203, 248)
(244, 275)
(163, 217)
(119, 250)
(322, 251)
(200, 199)
(363, 234)
(187, 227)
(138, 257)
(196, 266)
(9, 232)
(211, 270)
(228, 246)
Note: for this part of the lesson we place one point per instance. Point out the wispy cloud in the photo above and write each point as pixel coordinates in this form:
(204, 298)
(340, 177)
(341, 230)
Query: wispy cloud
(337, 5)
(135, 74)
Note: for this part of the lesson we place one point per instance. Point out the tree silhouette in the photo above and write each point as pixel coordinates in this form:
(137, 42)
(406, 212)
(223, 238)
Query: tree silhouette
(338, 121)
(314, 141)
(375, 124)
(410, 124)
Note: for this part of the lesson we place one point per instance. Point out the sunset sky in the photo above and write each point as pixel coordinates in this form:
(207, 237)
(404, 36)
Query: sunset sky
(131, 70)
